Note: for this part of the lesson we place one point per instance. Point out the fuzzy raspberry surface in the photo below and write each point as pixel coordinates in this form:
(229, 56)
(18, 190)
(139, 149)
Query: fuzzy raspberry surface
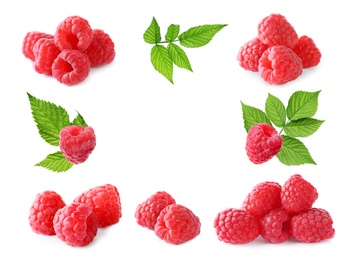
(250, 53)
(275, 226)
(30, 40)
(45, 51)
(308, 52)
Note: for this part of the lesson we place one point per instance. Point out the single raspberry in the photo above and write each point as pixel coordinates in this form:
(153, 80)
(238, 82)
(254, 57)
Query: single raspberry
(75, 224)
(236, 226)
(275, 226)
(30, 40)
(276, 30)
(308, 52)
(105, 203)
(45, 52)
(77, 143)
(279, 65)
(250, 53)
(263, 143)
(147, 212)
(312, 225)
(42, 212)
(177, 224)
(297, 194)
(74, 32)
(101, 50)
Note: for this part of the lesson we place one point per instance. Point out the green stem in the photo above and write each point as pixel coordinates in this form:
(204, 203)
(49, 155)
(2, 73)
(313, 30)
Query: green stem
(283, 127)
(168, 41)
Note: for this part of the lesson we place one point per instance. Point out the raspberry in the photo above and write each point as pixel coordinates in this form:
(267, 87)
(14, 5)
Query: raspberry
(308, 52)
(297, 194)
(45, 52)
(275, 226)
(236, 226)
(263, 143)
(30, 40)
(75, 224)
(250, 53)
(313, 225)
(71, 67)
(74, 32)
(147, 212)
(101, 50)
(279, 65)
(42, 212)
(77, 143)
(177, 224)
(276, 30)
(105, 203)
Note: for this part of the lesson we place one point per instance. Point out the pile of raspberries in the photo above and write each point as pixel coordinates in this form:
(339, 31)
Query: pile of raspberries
(71, 52)
(277, 52)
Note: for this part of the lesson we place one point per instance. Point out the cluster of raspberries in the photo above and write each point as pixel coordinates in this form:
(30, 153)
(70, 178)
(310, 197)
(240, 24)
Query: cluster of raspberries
(173, 223)
(77, 223)
(277, 52)
(71, 52)
(276, 213)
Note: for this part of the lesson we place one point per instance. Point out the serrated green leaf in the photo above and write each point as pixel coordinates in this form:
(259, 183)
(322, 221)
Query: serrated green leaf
(162, 62)
(303, 127)
(55, 162)
(172, 32)
(294, 152)
(302, 104)
(79, 120)
(50, 119)
(252, 116)
(178, 56)
(275, 110)
(199, 36)
(152, 34)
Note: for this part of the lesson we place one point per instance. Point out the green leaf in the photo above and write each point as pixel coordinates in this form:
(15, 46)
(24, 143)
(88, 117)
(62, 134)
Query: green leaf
(152, 34)
(172, 32)
(162, 61)
(252, 116)
(50, 119)
(275, 110)
(302, 104)
(178, 56)
(55, 162)
(79, 120)
(303, 127)
(294, 152)
(200, 35)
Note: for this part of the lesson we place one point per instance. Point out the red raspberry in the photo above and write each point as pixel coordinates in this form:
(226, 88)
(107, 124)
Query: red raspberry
(42, 212)
(71, 67)
(77, 143)
(177, 224)
(276, 30)
(279, 65)
(308, 52)
(313, 225)
(74, 32)
(75, 224)
(250, 53)
(147, 212)
(45, 52)
(236, 226)
(30, 40)
(105, 203)
(263, 143)
(275, 226)
(101, 50)
(297, 194)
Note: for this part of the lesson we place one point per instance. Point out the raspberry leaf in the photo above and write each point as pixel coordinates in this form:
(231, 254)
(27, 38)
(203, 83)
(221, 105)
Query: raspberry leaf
(162, 62)
(302, 104)
(152, 34)
(199, 36)
(178, 56)
(172, 32)
(79, 120)
(55, 162)
(252, 116)
(303, 127)
(275, 110)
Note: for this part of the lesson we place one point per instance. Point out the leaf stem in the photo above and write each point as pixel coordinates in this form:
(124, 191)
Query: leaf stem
(167, 41)
(284, 127)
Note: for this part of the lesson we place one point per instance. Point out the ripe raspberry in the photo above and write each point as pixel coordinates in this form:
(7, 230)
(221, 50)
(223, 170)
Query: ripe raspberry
(263, 143)
(147, 212)
(75, 224)
(236, 226)
(177, 224)
(308, 52)
(276, 30)
(42, 212)
(74, 32)
(313, 225)
(101, 50)
(77, 143)
(30, 40)
(279, 65)
(105, 203)
(275, 226)
(297, 194)
(45, 52)
(250, 53)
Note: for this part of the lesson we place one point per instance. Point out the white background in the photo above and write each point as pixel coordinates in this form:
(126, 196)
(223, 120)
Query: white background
(187, 139)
